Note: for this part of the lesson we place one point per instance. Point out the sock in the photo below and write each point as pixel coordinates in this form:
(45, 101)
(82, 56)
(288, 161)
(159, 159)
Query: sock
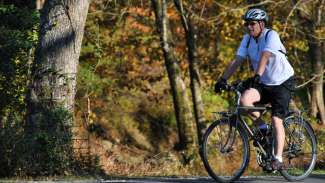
(279, 158)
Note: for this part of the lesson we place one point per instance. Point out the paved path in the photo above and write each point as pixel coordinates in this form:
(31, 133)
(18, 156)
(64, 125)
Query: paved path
(273, 179)
(266, 179)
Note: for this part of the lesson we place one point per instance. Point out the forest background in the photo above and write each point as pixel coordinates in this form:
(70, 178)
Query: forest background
(134, 107)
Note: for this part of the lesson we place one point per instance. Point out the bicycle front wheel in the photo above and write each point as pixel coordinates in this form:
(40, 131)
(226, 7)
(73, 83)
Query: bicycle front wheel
(225, 150)
(300, 149)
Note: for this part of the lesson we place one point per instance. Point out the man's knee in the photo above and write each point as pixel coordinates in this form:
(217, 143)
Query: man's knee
(246, 100)
(249, 97)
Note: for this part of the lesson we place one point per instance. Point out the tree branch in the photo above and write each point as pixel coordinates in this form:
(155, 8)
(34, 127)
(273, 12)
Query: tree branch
(310, 80)
(289, 15)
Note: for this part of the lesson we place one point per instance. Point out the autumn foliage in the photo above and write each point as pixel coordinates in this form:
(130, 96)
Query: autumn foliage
(124, 113)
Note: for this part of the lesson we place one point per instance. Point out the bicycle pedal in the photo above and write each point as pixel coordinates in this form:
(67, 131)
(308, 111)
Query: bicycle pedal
(268, 167)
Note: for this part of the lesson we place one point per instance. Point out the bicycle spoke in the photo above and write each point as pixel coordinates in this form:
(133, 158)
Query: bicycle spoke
(299, 153)
(224, 152)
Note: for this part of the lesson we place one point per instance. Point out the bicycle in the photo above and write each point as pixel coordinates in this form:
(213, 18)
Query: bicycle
(227, 140)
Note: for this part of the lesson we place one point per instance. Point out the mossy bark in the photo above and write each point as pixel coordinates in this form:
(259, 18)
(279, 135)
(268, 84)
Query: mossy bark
(178, 88)
(54, 70)
(195, 85)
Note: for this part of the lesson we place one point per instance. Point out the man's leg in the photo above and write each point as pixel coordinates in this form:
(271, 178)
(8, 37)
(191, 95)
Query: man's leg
(279, 136)
(280, 104)
(249, 97)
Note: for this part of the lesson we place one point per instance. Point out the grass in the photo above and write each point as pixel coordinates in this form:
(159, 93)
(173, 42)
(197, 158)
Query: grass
(318, 172)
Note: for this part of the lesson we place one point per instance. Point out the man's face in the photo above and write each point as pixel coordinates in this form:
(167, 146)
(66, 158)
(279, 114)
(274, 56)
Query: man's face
(254, 28)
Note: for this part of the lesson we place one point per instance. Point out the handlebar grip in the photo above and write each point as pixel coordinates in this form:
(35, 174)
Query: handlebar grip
(230, 87)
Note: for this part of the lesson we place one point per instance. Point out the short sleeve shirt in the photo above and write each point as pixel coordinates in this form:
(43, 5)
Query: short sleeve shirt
(278, 68)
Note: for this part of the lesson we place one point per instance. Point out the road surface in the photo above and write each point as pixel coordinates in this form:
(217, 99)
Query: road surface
(273, 179)
(265, 179)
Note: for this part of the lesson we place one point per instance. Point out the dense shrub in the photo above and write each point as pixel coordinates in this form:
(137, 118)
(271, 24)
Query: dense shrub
(45, 150)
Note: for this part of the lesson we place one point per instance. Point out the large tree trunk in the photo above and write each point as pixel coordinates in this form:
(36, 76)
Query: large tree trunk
(194, 70)
(180, 97)
(54, 70)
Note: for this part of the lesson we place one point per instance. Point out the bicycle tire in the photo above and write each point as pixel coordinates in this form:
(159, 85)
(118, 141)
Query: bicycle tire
(297, 168)
(233, 165)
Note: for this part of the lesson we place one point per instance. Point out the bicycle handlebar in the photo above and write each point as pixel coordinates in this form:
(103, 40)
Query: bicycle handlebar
(234, 86)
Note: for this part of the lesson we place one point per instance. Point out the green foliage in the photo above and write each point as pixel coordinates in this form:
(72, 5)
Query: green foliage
(11, 136)
(49, 144)
(213, 103)
(18, 37)
(46, 149)
(91, 82)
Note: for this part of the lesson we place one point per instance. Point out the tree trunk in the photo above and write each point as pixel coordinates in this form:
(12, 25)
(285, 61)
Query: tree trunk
(180, 97)
(54, 70)
(316, 50)
(194, 70)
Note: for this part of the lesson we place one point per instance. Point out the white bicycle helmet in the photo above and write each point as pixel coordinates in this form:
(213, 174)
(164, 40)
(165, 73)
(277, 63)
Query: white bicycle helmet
(256, 14)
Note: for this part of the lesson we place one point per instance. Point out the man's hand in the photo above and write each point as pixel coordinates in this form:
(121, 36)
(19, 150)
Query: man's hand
(254, 81)
(220, 85)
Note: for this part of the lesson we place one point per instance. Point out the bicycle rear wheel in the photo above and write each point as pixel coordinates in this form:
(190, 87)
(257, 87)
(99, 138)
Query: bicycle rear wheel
(300, 149)
(225, 150)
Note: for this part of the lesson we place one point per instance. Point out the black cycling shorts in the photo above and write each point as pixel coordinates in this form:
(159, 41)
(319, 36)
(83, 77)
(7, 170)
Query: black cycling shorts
(278, 96)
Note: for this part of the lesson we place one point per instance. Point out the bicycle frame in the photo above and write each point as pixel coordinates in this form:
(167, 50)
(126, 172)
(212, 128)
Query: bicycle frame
(243, 123)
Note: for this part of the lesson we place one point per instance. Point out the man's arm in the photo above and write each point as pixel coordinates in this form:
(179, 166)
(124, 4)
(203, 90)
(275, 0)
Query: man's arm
(233, 67)
(262, 64)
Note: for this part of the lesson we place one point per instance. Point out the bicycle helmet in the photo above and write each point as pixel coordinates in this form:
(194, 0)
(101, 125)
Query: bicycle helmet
(256, 14)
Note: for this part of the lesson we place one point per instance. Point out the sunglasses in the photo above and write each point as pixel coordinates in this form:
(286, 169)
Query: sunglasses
(250, 23)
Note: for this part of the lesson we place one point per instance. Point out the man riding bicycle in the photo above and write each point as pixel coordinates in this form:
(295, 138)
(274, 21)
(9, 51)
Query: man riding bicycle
(273, 74)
